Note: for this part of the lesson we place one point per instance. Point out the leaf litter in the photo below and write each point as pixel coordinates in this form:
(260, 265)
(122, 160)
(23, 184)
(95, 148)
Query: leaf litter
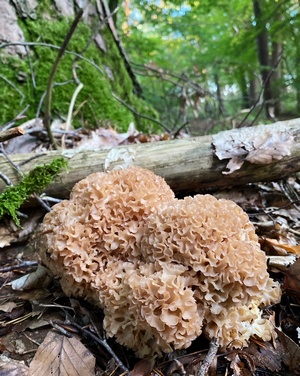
(43, 332)
(62, 355)
(248, 145)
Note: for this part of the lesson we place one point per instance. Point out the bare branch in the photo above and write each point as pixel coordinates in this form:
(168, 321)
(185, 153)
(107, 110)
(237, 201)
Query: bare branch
(140, 115)
(52, 75)
(212, 352)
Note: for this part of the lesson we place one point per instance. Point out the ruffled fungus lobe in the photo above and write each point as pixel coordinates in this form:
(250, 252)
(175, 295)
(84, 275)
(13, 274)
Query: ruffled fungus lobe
(163, 270)
(226, 269)
(102, 220)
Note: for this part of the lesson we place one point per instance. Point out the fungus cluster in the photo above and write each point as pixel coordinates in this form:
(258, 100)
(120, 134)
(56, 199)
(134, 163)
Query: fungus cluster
(163, 270)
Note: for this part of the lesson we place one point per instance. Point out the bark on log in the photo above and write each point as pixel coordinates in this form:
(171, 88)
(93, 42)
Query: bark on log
(188, 165)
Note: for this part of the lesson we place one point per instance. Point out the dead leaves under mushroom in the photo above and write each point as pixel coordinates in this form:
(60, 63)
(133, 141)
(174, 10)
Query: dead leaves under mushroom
(163, 270)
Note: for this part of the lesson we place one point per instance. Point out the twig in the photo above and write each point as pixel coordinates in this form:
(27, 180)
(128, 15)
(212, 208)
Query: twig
(140, 115)
(31, 67)
(11, 133)
(16, 167)
(60, 329)
(18, 117)
(50, 199)
(70, 112)
(14, 86)
(63, 48)
(5, 179)
(260, 95)
(38, 111)
(290, 193)
(182, 77)
(176, 134)
(110, 22)
(42, 203)
(212, 352)
(76, 92)
(24, 264)
(31, 158)
(103, 343)
(40, 44)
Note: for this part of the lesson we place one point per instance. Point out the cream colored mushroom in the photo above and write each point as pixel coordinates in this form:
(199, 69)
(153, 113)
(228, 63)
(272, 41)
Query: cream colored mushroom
(226, 269)
(102, 220)
(163, 270)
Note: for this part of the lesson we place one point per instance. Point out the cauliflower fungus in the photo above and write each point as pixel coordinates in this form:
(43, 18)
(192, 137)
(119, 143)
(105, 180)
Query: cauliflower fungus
(163, 270)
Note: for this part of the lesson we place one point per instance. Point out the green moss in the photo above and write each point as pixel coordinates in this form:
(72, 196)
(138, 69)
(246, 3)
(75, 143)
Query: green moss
(95, 103)
(34, 182)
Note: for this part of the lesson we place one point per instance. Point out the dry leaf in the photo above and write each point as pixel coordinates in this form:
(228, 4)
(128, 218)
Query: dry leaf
(239, 368)
(120, 158)
(6, 236)
(265, 355)
(102, 138)
(292, 280)
(253, 145)
(282, 248)
(59, 355)
(8, 307)
(143, 367)
(99, 138)
(280, 262)
(271, 146)
(37, 279)
(234, 164)
(12, 234)
(290, 353)
(12, 367)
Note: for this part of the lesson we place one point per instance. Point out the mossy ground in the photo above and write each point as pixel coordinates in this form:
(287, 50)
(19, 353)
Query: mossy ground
(95, 105)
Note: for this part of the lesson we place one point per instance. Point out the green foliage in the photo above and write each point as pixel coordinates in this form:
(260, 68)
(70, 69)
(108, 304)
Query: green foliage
(34, 182)
(205, 40)
(95, 105)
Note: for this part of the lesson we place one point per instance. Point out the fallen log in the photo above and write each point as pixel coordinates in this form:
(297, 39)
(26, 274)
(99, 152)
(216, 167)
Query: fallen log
(188, 165)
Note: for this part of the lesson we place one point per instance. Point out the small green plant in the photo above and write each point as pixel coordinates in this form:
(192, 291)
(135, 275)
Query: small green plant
(34, 182)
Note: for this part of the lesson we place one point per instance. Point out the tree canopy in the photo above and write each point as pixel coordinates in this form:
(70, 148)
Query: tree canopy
(199, 59)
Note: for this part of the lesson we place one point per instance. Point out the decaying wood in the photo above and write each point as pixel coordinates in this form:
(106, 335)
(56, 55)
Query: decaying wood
(11, 133)
(188, 165)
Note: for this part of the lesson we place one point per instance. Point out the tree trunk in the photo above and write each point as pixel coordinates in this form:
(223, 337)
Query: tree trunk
(242, 82)
(276, 86)
(276, 65)
(189, 165)
(219, 95)
(263, 55)
(253, 90)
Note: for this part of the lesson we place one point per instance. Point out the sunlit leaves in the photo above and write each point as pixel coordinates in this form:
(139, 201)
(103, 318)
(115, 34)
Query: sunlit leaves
(215, 36)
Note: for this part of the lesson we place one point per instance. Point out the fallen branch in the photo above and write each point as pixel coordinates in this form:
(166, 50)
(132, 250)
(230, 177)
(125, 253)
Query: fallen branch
(212, 352)
(11, 133)
(189, 165)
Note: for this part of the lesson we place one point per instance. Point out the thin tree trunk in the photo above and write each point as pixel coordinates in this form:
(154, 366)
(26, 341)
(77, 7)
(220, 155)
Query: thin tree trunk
(253, 90)
(219, 95)
(276, 77)
(242, 82)
(263, 55)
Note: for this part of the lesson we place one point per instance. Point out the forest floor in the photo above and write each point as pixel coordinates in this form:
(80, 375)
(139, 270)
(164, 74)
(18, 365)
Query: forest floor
(43, 332)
